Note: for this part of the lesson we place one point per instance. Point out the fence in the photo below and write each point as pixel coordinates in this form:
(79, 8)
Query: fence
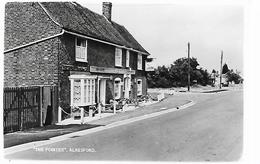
(21, 108)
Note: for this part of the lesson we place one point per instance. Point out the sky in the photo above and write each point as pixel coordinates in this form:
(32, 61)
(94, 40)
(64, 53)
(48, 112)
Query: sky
(165, 29)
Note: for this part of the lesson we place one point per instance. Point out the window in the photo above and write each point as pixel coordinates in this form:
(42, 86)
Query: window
(76, 92)
(139, 62)
(89, 91)
(118, 57)
(127, 58)
(82, 90)
(81, 50)
(117, 88)
(139, 87)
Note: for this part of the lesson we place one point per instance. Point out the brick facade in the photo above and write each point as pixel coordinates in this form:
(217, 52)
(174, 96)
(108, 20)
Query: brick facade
(33, 65)
(99, 54)
(25, 23)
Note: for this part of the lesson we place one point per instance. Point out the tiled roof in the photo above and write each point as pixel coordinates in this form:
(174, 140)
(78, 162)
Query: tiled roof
(76, 18)
(127, 36)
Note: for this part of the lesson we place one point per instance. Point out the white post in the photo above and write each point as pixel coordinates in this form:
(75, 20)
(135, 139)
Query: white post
(71, 91)
(59, 114)
(98, 90)
(41, 119)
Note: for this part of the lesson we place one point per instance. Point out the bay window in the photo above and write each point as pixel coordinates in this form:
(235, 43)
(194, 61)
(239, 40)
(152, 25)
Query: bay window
(82, 90)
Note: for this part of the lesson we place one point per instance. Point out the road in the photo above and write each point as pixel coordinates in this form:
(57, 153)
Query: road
(211, 130)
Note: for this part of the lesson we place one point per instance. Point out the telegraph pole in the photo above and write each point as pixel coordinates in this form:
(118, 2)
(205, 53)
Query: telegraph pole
(188, 66)
(220, 80)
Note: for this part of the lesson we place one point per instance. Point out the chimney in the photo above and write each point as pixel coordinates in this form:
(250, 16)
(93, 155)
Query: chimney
(106, 10)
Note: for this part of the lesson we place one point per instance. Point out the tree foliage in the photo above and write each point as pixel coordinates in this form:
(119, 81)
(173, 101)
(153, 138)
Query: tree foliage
(234, 77)
(177, 74)
(225, 69)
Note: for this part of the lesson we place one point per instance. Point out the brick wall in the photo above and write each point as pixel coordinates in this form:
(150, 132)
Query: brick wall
(68, 57)
(36, 64)
(101, 55)
(33, 65)
(26, 22)
(65, 90)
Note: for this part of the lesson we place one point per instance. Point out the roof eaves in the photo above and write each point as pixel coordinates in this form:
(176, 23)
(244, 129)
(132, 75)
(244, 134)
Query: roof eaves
(34, 42)
(105, 42)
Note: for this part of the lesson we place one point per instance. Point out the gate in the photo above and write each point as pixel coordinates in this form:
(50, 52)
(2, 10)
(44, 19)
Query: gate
(21, 108)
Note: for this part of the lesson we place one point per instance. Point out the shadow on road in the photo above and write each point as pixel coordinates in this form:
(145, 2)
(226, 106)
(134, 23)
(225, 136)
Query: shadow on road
(43, 133)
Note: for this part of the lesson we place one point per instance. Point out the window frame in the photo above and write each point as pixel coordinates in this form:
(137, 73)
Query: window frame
(81, 48)
(127, 59)
(139, 87)
(118, 54)
(119, 88)
(139, 61)
(87, 85)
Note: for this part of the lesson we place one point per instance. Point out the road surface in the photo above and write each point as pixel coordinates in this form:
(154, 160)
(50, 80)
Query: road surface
(211, 130)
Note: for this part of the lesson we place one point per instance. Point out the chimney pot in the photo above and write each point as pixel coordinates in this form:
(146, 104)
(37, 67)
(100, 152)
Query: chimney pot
(107, 10)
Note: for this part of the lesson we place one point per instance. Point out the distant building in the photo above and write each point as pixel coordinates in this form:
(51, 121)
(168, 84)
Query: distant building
(224, 80)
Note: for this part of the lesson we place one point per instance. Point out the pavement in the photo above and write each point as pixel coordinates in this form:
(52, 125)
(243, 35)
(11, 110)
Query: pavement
(210, 130)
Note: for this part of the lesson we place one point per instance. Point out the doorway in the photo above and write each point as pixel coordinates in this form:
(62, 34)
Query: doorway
(103, 91)
(127, 85)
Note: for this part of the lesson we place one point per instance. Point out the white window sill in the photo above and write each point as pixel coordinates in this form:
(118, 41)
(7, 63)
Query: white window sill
(78, 60)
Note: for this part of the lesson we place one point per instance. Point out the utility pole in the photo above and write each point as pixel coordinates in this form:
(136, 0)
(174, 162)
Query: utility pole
(220, 80)
(188, 66)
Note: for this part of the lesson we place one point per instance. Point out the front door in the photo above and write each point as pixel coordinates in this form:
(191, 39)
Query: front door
(103, 91)
(46, 102)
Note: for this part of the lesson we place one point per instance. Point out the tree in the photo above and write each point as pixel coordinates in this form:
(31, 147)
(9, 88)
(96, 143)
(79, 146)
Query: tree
(234, 77)
(225, 69)
(177, 74)
(159, 78)
(204, 79)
